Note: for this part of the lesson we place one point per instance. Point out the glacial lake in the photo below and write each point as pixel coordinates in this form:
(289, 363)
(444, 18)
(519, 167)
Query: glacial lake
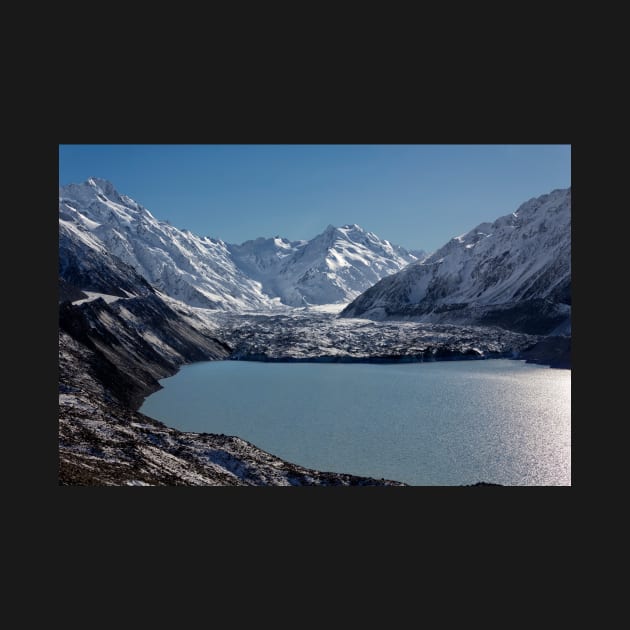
(442, 423)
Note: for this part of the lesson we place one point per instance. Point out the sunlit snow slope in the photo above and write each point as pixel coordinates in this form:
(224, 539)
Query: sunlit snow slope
(333, 267)
(515, 272)
(196, 270)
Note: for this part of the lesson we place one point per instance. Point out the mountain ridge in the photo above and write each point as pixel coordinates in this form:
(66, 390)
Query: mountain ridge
(260, 274)
(332, 267)
(513, 272)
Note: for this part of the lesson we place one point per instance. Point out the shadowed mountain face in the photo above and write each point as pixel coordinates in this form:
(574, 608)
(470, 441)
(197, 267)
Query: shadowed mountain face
(84, 265)
(514, 273)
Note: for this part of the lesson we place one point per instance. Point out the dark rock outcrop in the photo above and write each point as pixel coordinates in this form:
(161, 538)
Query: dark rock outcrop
(68, 292)
(89, 269)
(137, 341)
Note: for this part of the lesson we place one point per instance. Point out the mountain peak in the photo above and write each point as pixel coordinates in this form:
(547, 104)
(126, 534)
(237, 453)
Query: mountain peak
(99, 181)
(90, 188)
(103, 186)
(348, 227)
(352, 226)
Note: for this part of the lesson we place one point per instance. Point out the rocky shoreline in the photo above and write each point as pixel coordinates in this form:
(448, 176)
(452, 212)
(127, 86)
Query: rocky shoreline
(112, 355)
(104, 440)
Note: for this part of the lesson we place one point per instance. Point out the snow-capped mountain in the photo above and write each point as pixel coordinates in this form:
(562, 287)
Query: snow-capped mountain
(196, 270)
(86, 265)
(515, 273)
(335, 266)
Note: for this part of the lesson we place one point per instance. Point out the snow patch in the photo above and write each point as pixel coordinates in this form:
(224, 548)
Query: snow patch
(92, 295)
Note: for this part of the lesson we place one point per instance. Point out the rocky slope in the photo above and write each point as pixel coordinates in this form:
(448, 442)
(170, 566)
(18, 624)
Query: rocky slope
(514, 273)
(103, 441)
(86, 265)
(110, 357)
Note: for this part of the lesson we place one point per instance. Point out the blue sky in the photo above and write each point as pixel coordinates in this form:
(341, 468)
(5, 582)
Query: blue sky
(417, 196)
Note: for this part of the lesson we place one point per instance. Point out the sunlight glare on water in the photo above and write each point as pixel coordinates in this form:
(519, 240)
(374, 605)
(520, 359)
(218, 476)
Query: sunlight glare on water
(442, 423)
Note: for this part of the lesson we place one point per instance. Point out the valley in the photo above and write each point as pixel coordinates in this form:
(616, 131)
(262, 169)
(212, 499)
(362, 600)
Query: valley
(139, 298)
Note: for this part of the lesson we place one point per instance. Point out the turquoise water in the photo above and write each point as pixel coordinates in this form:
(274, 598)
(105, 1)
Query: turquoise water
(443, 423)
